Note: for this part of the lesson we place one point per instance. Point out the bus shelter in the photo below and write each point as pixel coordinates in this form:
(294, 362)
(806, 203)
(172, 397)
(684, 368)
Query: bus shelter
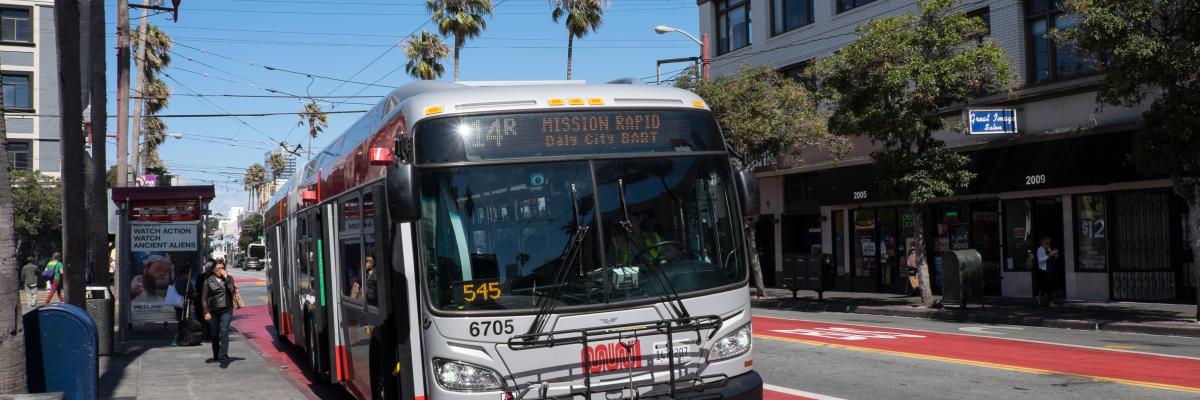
(161, 246)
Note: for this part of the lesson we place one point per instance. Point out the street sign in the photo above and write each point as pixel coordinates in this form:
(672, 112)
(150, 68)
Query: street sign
(991, 122)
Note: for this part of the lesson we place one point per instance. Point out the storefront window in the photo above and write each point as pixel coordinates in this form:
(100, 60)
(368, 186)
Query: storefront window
(888, 258)
(1091, 233)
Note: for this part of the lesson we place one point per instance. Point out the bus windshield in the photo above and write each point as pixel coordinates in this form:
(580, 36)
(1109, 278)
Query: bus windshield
(499, 237)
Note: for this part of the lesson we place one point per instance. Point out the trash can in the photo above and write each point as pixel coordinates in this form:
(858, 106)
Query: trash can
(962, 276)
(100, 307)
(60, 351)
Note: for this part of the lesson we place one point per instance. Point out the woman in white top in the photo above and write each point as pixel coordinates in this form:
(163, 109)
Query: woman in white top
(1044, 276)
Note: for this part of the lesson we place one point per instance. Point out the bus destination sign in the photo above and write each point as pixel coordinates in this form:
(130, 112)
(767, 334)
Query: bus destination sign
(561, 133)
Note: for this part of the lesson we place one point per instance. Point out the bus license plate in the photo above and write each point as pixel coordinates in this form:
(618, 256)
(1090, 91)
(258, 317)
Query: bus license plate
(662, 356)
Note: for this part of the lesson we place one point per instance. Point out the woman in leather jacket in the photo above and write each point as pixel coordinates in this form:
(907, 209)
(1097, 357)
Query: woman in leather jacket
(216, 295)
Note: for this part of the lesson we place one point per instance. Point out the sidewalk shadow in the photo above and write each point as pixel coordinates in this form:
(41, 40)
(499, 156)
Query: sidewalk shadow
(299, 359)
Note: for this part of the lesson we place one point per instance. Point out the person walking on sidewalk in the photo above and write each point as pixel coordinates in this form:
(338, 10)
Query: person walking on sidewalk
(55, 267)
(29, 278)
(217, 297)
(1045, 284)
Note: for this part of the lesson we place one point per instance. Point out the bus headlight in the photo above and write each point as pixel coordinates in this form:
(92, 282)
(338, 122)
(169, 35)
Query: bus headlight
(461, 376)
(732, 345)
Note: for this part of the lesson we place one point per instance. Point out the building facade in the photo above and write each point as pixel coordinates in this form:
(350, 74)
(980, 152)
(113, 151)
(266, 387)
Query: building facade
(1064, 175)
(29, 77)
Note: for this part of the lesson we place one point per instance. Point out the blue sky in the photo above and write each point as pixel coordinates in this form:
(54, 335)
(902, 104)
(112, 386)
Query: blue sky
(222, 46)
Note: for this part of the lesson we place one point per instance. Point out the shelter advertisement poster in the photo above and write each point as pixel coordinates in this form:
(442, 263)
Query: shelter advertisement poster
(164, 264)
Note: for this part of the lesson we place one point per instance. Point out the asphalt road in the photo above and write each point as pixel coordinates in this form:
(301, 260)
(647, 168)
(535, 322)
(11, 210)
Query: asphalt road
(848, 356)
(252, 284)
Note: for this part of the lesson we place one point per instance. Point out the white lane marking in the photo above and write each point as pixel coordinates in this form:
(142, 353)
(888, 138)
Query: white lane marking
(1078, 346)
(846, 333)
(984, 329)
(801, 393)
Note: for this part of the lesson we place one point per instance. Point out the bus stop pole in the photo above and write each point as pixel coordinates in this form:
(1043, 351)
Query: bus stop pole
(122, 275)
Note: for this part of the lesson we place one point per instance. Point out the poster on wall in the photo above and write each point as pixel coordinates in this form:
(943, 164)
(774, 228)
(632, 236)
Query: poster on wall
(164, 262)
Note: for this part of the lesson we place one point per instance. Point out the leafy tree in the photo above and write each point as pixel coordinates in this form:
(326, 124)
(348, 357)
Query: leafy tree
(582, 16)
(37, 208)
(251, 227)
(764, 114)
(425, 53)
(892, 84)
(316, 120)
(12, 331)
(1151, 50)
(461, 18)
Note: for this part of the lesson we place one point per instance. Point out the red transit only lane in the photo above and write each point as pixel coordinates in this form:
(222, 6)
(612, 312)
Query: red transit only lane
(1175, 373)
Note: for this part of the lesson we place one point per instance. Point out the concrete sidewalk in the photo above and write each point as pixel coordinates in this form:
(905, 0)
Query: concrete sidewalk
(1148, 318)
(147, 366)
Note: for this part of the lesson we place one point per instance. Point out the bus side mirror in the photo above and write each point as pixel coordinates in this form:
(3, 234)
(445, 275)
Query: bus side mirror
(747, 187)
(403, 198)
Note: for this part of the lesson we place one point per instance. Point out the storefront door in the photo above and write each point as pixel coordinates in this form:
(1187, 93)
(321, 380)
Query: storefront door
(1047, 223)
(864, 251)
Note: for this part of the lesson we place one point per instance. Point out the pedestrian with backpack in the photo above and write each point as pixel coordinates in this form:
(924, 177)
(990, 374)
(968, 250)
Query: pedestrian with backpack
(53, 272)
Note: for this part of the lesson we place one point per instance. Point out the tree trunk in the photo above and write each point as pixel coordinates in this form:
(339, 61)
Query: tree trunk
(922, 266)
(74, 217)
(97, 86)
(458, 43)
(570, 46)
(135, 155)
(12, 332)
(755, 265)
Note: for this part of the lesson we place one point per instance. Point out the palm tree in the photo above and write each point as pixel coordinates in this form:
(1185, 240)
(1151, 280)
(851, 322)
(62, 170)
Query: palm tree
(583, 16)
(316, 120)
(153, 49)
(253, 181)
(156, 134)
(12, 342)
(462, 18)
(425, 53)
(276, 163)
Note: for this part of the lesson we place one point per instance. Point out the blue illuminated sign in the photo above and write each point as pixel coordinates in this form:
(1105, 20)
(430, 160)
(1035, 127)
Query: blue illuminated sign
(989, 122)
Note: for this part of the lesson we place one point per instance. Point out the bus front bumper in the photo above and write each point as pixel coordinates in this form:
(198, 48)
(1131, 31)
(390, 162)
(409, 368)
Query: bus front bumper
(747, 386)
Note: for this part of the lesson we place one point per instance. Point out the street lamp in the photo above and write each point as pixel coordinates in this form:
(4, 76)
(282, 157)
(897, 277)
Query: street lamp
(704, 57)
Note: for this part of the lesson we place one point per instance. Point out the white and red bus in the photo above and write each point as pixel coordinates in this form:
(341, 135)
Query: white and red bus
(510, 240)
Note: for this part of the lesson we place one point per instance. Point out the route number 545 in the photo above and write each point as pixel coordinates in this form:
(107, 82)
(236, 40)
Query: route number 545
(481, 291)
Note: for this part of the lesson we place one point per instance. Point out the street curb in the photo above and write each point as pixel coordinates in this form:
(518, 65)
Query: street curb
(982, 318)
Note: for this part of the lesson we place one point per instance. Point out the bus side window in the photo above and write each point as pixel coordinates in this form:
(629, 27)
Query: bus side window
(350, 246)
(370, 275)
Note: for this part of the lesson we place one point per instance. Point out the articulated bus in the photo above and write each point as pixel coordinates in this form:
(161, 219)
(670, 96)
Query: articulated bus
(520, 240)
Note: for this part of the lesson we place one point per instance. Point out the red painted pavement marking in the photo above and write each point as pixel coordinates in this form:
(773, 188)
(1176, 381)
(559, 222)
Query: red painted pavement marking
(773, 395)
(254, 323)
(1119, 366)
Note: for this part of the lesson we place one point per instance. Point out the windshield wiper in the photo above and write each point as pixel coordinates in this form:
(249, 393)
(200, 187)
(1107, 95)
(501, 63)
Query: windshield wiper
(671, 297)
(567, 260)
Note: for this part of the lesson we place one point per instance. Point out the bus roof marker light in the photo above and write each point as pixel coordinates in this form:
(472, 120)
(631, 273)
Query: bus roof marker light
(555, 102)
(431, 110)
(575, 101)
(382, 156)
(698, 103)
(595, 101)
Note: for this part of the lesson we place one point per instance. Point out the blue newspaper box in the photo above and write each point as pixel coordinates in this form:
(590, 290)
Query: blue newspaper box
(61, 351)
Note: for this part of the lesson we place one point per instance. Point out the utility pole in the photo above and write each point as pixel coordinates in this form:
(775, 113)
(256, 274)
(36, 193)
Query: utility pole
(135, 155)
(97, 87)
(122, 90)
(74, 217)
